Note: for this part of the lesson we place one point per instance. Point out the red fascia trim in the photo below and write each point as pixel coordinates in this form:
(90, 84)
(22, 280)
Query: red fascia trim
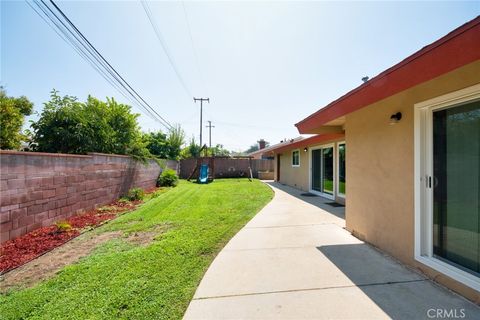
(458, 48)
(309, 141)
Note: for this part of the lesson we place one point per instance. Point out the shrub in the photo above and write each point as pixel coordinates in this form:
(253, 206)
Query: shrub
(63, 226)
(66, 125)
(168, 178)
(135, 194)
(156, 194)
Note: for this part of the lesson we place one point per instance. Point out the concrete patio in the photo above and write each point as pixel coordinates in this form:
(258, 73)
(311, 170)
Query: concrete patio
(294, 260)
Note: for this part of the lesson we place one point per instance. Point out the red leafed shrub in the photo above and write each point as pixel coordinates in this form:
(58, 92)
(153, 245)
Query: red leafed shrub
(89, 219)
(23, 249)
(19, 251)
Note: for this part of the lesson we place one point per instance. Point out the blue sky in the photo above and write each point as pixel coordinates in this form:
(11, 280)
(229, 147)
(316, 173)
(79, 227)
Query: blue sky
(264, 65)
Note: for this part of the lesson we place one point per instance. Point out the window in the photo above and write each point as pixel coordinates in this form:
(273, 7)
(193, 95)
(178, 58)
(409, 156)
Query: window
(447, 186)
(296, 158)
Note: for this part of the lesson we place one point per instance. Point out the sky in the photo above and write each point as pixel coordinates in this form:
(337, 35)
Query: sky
(264, 65)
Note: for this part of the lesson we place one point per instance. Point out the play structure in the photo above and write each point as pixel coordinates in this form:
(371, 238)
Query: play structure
(206, 171)
(203, 176)
(205, 167)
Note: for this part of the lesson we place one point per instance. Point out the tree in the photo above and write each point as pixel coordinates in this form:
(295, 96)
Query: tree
(190, 151)
(254, 147)
(12, 116)
(69, 126)
(165, 146)
(175, 140)
(156, 143)
(218, 151)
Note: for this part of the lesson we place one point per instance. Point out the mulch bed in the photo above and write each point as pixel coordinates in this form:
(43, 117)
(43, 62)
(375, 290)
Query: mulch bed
(21, 250)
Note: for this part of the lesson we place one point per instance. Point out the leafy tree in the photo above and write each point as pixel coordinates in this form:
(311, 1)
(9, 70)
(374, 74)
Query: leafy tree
(12, 116)
(190, 151)
(165, 146)
(254, 147)
(69, 126)
(219, 151)
(156, 143)
(176, 139)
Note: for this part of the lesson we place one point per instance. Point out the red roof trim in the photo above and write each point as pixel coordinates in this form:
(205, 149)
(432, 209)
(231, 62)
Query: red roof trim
(456, 49)
(309, 141)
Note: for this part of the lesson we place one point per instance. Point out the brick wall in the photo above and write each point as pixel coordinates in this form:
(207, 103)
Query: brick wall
(37, 189)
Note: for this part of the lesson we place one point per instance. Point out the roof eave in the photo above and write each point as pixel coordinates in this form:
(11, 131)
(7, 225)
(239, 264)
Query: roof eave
(432, 61)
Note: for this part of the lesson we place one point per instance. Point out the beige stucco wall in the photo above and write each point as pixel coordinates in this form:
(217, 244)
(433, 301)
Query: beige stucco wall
(380, 170)
(294, 176)
(298, 177)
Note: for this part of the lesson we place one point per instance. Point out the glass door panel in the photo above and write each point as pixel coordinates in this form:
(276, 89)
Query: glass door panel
(341, 169)
(327, 170)
(456, 185)
(316, 170)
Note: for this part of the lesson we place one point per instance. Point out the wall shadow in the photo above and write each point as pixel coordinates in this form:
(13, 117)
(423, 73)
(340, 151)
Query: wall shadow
(400, 292)
(317, 201)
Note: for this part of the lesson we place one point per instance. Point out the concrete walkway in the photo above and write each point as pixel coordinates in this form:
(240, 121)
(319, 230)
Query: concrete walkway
(294, 260)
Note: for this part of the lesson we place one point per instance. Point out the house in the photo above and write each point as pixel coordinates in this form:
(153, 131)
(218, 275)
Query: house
(267, 153)
(402, 151)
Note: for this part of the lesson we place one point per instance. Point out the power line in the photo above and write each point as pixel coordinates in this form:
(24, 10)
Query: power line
(168, 125)
(67, 38)
(194, 48)
(89, 54)
(160, 38)
(74, 41)
(73, 37)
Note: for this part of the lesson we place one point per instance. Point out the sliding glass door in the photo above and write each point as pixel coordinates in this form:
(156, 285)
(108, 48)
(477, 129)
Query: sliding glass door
(455, 185)
(341, 156)
(322, 171)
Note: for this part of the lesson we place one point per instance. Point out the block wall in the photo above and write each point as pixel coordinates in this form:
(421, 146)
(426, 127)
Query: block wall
(38, 189)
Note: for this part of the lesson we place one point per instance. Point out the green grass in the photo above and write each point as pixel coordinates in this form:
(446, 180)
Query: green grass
(122, 281)
(328, 186)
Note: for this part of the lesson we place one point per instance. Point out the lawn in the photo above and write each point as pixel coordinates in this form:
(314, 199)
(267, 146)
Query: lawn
(127, 281)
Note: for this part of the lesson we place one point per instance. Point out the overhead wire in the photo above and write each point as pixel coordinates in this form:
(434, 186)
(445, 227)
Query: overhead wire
(194, 50)
(52, 23)
(160, 38)
(92, 56)
(104, 61)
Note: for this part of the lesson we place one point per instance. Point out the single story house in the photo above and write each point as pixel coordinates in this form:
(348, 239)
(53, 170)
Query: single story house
(267, 153)
(402, 151)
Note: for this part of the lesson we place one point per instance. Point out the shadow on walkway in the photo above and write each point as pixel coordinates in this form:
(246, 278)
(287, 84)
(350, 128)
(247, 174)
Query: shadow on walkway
(399, 292)
(320, 202)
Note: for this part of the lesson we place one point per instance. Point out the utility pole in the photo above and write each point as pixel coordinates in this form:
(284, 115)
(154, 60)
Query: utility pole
(201, 114)
(210, 133)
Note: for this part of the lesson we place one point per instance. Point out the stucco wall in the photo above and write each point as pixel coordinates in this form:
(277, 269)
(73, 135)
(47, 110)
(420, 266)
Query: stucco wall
(380, 170)
(298, 177)
(294, 176)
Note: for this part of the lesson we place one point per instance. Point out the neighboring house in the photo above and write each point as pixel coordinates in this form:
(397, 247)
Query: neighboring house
(411, 177)
(265, 152)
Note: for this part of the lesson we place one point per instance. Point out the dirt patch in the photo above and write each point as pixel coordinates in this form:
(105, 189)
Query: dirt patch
(146, 237)
(50, 263)
(47, 265)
